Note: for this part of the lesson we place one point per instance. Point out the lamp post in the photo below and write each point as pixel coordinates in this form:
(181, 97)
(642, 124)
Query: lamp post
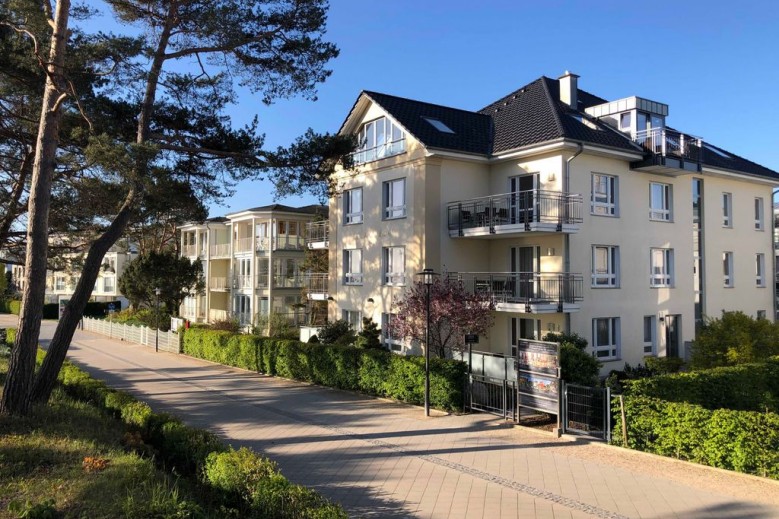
(157, 292)
(427, 279)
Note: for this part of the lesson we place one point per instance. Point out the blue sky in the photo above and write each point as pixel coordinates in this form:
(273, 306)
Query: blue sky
(714, 63)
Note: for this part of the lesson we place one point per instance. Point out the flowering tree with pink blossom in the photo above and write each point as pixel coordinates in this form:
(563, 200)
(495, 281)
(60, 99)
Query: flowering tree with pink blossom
(454, 312)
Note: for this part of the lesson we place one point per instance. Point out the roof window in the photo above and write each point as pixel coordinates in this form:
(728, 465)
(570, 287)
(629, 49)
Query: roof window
(438, 125)
(718, 152)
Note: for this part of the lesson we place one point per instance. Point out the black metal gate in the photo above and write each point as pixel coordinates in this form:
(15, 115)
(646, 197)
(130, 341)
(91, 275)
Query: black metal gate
(493, 395)
(586, 410)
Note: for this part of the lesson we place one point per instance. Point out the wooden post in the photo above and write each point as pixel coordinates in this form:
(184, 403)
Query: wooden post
(624, 422)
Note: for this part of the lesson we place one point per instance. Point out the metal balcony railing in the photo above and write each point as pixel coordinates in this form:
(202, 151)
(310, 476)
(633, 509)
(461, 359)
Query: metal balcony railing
(318, 232)
(316, 283)
(281, 242)
(522, 207)
(527, 288)
(665, 142)
(284, 281)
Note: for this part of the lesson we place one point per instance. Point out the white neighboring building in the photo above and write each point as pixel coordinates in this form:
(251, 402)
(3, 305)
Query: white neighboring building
(573, 212)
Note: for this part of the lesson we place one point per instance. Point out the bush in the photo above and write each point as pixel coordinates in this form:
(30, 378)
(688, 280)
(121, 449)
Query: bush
(51, 311)
(375, 372)
(664, 365)
(574, 339)
(735, 338)
(368, 338)
(226, 325)
(578, 366)
(313, 339)
(337, 332)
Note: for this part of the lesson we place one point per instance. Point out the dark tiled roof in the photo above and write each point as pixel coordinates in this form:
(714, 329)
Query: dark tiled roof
(531, 115)
(471, 130)
(217, 219)
(308, 209)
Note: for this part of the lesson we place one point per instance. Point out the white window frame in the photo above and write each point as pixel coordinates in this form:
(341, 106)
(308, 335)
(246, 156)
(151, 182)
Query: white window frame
(727, 269)
(603, 196)
(661, 210)
(393, 344)
(610, 349)
(727, 209)
(374, 145)
(394, 199)
(59, 283)
(760, 270)
(394, 266)
(109, 284)
(353, 273)
(353, 317)
(650, 335)
(759, 214)
(353, 215)
(608, 278)
(661, 276)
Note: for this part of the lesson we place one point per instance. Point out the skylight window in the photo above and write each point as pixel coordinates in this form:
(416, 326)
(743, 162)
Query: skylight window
(586, 122)
(438, 125)
(718, 152)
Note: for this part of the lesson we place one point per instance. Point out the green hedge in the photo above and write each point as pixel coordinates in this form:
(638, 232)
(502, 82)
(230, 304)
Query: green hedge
(744, 441)
(746, 387)
(374, 372)
(51, 310)
(10, 307)
(243, 482)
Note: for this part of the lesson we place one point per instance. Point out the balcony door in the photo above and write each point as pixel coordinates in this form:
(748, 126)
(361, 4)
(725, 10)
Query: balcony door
(672, 335)
(522, 201)
(525, 262)
(523, 329)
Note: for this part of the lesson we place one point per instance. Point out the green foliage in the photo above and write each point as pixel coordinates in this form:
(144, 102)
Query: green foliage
(238, 472)
(743, 441)
(573, 339)
(28, 510)
(747, 387)
(313, 339)
(375, 372)
(10, 307)
(368, 338)
(578, 366)
(664, 365)
(735, 338)
(617, 378)
(176, 277)
(226, 325)
(276, 325)
(337, 332)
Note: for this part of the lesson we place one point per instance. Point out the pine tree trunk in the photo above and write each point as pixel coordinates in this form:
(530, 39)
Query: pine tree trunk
(21, 367)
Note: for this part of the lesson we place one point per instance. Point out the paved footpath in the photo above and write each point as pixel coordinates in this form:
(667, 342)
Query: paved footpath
(382, 459)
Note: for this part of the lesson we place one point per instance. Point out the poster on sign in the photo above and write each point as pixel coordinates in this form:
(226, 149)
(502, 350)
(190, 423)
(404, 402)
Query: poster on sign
(538, 375)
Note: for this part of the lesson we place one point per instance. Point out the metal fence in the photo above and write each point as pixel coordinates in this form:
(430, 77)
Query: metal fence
(493, 395)
(586, 410)
(168, 341)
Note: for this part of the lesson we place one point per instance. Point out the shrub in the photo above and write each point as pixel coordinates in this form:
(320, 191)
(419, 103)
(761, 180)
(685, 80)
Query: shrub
(238, 472)
(735, 338)
(313, 339)
(664, 365)
(51, 311)
(578, 366)
(573, 339)
(368, 338)
(337, 332)
(14, 307)
(226, 325)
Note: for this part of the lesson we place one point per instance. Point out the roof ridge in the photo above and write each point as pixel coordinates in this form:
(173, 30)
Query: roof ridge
(554, 106)
(370, 92)
(510, 94)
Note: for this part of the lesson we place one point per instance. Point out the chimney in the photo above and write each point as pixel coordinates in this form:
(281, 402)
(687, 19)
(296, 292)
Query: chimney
(568, 89)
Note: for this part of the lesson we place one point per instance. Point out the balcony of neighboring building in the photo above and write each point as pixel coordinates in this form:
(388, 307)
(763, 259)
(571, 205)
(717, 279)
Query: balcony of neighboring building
(287, 281)
(219, 283)
(215, 314)
(280, 242)
(220, 250)
(512, 214)
(317, 285)
(669, 151)
(318, 235)
(526, 292)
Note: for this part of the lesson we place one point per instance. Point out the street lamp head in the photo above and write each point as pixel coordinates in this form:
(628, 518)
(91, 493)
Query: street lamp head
(428, 276)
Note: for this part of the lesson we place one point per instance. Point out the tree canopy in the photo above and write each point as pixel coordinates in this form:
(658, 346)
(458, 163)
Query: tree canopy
(176, 278)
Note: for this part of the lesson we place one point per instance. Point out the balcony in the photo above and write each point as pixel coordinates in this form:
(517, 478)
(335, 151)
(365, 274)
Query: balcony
(189, 251)
(381, 151)
(243, 245)
(218, 284)
(284, 281)
(242, 282)
(318, 235)
(282, 242)
(515, 213)
(669, 152)
(218, 315)
(317, 285)
(526, 292)
(220, 250)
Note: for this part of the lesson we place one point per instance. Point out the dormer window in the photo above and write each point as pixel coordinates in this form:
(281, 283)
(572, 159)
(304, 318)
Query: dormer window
(378, 139)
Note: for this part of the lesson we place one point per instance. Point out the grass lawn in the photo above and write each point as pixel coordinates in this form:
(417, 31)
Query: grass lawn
(68, 458)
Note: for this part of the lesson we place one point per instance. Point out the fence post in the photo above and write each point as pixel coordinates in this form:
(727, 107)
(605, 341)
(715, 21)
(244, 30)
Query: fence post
(624, 421)
(607, 435)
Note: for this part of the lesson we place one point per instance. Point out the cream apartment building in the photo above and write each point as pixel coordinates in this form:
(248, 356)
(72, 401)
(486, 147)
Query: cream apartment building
(252, 263)
(570, 211)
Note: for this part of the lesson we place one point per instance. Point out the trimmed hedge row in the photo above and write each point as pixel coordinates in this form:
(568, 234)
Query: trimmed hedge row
(374, 372)
(243, 482)
(743, 441)
(51, 310)
(746, 387)
(10, 307)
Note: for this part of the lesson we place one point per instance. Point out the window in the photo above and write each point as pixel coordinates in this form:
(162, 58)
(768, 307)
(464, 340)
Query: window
(353, 206)
(649, 335)
(605, 337)
(108, 284)
(661, 267)
(394, 265)
(394, 198)
(758, 214)
(438, 125)
(242, 309)
(390, 341)
(760, 270)
(624, 121)
(378, 139)
(604, 195)
(727, 210)
(727, 268)
(660, 202)
(353, 267)
(354, 318)
(59, 283)
(605, 266)
(761, 314)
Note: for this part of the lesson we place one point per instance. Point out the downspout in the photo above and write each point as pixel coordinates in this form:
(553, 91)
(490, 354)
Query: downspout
(566, 236)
